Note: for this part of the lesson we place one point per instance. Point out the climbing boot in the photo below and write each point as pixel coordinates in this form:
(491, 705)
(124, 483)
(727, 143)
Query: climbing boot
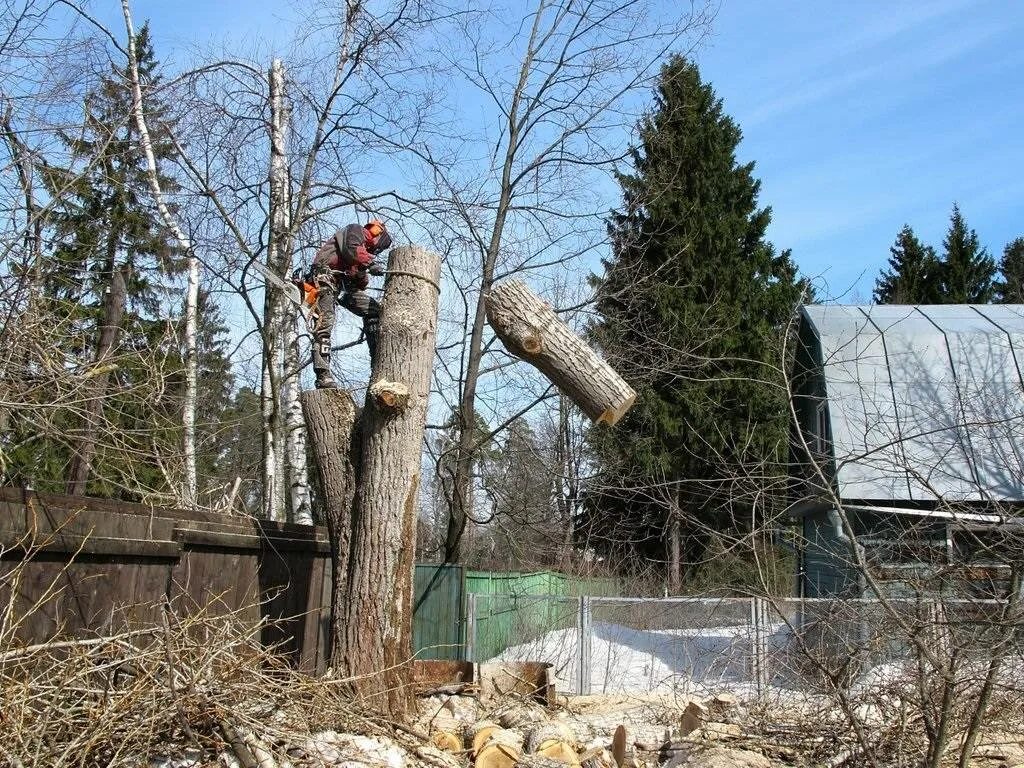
(324, 380)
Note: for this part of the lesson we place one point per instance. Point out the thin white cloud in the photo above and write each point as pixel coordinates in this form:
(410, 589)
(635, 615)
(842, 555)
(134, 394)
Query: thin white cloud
(906, 64)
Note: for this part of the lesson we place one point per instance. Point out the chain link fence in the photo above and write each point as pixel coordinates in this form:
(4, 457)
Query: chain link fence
(641, 645)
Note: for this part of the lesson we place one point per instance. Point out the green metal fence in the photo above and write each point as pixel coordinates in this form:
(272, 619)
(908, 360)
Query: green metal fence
(439, 612)
(518, 609)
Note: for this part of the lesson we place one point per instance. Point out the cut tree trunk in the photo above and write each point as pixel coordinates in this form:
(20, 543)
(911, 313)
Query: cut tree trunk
(330, 418)
(530, 330)
(378, 621)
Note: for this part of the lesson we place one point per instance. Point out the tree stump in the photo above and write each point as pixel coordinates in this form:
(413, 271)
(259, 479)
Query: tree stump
(330, 423)
(379, 605)
(530, 330)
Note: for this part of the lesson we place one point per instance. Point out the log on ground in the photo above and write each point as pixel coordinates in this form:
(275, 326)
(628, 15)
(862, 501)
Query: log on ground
(530, 330)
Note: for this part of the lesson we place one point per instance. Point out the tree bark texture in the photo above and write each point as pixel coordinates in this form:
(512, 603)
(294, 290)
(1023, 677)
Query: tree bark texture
(330, 418)
(378, 622)
(113, 317)
(298, 477)
(190, 492)
(274, 315)
(293, 463)
(530, 330)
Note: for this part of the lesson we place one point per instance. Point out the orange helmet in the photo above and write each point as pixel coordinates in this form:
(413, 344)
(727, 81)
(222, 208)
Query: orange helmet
(377, 233)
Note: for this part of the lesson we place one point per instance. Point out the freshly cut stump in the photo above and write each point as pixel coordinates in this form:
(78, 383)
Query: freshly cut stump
(446, 741)
(538, 761)
(551, 731)
(530, 330)
(495, 754)
(479, 734)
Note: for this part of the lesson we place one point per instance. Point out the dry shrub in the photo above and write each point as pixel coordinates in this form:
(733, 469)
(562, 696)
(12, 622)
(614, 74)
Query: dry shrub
(191, 683)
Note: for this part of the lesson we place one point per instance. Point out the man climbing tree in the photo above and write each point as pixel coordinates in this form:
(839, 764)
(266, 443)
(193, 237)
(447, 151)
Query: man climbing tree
(343, 265)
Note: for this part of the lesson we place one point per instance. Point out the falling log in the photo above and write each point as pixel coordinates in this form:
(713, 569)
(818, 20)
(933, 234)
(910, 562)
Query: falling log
(378, 615)
(530, 330)
(330, 424)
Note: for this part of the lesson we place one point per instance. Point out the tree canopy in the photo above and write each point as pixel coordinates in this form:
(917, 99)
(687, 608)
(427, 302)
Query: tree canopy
(692, 307)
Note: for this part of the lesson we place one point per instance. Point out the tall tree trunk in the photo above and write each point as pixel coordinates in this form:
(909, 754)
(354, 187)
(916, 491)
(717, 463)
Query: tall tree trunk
(274, 313)
(331, 417)
(462, 493)
(187, 494)
(289, 408)
(99, 377)
(378, 619)
(190, 491)
(298, 476)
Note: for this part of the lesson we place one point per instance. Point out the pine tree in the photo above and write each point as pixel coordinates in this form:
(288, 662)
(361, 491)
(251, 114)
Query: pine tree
(692, 308)
(1010, 289)
(968, 271)
(913, 276)
(106, 233)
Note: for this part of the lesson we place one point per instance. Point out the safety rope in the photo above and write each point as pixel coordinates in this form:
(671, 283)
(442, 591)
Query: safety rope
(413, 274)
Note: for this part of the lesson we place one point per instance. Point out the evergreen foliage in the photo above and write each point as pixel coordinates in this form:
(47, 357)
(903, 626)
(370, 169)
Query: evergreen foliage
(104, 222)
(692, 307)
(914, 275)
(968, 271)
(1010, 289)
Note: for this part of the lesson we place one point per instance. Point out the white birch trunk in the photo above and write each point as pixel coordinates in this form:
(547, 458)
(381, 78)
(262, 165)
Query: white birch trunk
(190, 491)
(187, 494)
(302, 507)
(274, 314)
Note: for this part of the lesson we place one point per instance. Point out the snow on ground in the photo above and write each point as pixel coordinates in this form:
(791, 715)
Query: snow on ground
(626, 660)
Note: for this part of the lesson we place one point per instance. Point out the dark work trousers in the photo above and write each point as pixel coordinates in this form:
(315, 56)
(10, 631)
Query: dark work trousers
(356, 301)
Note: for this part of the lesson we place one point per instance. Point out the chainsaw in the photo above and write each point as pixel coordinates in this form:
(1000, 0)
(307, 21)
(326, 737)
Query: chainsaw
(299, 292)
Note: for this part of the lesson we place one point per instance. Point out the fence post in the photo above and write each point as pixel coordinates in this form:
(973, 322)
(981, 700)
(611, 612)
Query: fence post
(584, 626)
(762, 645)
(471, 626)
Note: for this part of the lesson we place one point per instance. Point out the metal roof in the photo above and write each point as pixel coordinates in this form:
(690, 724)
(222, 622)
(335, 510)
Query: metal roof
(924, 402)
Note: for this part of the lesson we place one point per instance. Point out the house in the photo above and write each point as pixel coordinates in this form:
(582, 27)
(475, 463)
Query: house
(908, 447)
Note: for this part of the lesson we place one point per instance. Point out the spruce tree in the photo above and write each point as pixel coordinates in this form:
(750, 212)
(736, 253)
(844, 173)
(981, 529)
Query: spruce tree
(1010, 289)
(692, 308)
(913, 276)
(105, 224)
(968, 271)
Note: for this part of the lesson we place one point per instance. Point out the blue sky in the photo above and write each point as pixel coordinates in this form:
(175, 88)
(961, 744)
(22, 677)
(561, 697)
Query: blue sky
(860, 116)
(864, 116)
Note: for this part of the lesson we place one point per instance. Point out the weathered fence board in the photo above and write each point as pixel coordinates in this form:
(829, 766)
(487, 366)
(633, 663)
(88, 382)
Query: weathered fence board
(106, 563)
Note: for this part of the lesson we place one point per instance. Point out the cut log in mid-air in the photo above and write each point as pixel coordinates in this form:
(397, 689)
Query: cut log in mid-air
(530, 330)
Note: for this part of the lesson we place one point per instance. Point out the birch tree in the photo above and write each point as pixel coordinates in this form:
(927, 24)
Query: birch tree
(328, 118)
(188, 491)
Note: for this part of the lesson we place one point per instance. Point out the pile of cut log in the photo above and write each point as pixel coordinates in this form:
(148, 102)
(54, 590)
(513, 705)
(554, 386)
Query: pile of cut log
(522, 733)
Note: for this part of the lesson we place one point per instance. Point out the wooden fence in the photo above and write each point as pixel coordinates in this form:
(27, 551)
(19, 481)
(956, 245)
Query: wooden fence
(111, 562)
